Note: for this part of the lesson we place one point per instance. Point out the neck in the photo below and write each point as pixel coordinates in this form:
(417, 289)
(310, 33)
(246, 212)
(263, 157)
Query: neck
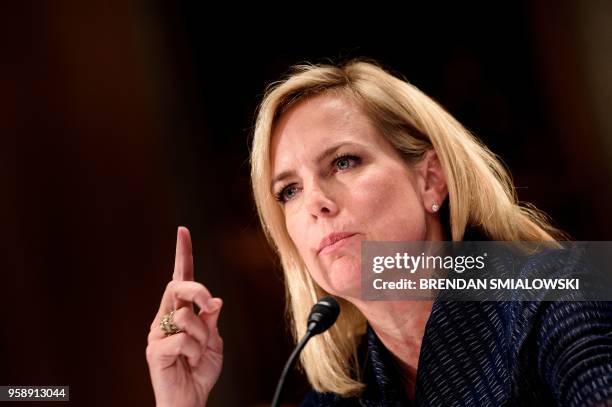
(400, 325)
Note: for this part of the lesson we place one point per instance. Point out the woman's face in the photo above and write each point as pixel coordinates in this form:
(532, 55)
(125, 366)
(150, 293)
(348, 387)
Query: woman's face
(341, 182)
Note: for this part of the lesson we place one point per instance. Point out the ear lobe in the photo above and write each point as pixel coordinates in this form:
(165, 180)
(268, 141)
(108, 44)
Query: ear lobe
(435, 189)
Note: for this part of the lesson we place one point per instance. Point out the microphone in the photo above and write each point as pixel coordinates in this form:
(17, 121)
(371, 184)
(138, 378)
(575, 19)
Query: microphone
(322, 316)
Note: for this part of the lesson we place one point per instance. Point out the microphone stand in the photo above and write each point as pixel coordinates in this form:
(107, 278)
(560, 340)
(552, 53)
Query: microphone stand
(289, 365)
(322, 316)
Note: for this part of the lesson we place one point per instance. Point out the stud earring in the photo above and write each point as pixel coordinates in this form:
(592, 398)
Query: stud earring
(434, 207)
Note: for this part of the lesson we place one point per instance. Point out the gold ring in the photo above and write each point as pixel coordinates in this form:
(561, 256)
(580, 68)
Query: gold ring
(167, 324)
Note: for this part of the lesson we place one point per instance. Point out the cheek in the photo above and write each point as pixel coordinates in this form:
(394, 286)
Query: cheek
(292, 228)
(390, 208)
(298, 234)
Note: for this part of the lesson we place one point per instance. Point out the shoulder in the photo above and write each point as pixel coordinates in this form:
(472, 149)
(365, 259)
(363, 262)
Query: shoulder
(563, 340)
(543, 311)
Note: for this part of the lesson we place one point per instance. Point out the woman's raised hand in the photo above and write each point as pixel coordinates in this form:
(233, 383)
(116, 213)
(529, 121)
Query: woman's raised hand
(185, 366)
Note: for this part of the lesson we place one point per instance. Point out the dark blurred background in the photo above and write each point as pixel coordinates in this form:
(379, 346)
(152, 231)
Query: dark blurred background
(121, 120)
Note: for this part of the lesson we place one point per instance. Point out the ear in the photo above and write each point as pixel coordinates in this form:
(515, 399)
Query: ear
(432, 182)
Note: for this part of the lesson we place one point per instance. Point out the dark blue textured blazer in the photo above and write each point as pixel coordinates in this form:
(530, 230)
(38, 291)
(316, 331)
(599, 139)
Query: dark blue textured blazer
(512, 353)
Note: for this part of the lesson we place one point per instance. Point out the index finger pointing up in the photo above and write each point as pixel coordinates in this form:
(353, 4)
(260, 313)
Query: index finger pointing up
(183, 261)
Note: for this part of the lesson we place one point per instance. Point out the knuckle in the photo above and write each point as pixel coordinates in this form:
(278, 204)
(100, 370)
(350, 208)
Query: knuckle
(202, 294)
(181, 343)
(205, 289)
(181, 317)
(196, 285)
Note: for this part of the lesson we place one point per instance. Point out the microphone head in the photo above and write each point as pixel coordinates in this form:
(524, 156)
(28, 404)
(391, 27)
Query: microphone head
(323, 315)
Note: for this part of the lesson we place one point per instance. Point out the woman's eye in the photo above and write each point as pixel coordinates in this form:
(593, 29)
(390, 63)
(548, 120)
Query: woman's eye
(341, 163)
(289, 192)
(345, 162)
(286, 193)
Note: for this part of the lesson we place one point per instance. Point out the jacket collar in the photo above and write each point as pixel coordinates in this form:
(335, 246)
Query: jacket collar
(382, 374)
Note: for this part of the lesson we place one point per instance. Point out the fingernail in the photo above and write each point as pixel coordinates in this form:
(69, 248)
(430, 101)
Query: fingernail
(212, 304)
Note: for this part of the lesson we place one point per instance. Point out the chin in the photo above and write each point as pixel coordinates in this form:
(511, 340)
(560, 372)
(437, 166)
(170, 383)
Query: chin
(344, 277)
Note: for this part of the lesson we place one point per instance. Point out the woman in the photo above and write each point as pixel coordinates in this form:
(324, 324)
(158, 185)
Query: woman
(347, 154)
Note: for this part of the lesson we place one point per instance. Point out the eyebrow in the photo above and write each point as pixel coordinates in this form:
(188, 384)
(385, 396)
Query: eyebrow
(323, 155)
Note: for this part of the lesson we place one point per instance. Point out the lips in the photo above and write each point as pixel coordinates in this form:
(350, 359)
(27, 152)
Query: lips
(332, 239)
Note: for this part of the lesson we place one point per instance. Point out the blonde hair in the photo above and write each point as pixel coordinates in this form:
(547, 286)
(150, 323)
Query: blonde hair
(480, 194)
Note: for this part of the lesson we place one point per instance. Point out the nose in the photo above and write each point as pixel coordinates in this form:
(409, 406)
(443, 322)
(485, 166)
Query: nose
(319, 201)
